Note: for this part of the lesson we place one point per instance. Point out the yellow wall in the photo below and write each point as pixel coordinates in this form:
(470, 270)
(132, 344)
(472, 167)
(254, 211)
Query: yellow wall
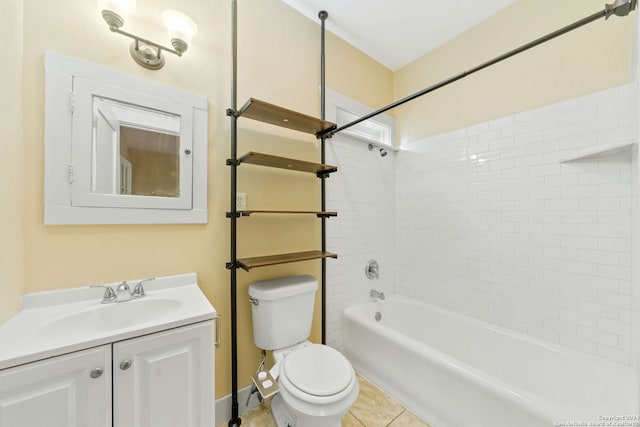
(278, 62)
(11, 167)
(589, 59)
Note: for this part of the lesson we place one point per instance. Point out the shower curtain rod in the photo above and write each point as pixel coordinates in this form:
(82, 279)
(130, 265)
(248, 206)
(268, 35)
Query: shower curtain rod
(619, 8)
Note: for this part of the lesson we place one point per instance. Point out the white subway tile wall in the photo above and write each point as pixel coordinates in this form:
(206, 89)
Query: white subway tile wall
(488, 222)
(363, 193)
(494, 226)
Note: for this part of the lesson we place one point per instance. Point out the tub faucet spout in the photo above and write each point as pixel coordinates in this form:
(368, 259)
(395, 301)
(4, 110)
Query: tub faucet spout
(376, 294)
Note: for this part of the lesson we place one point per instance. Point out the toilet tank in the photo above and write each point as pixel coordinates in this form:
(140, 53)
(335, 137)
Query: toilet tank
(282, 310)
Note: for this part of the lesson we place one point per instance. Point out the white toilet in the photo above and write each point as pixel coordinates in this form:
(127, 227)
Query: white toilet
(317, 383)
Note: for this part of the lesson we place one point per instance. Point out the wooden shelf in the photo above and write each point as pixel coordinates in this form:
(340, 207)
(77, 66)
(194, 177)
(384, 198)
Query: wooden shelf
(269, 113)
(268, 160)
(265, 261)
(317, 213)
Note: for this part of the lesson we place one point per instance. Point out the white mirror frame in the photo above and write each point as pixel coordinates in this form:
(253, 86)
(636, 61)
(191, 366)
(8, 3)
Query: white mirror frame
(62, 164)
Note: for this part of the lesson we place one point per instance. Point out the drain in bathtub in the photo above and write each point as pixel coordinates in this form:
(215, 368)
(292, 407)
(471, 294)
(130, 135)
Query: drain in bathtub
(378, 316)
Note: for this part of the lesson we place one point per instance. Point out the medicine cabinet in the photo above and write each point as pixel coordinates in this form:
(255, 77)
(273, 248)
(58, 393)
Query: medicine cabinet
(120, 149)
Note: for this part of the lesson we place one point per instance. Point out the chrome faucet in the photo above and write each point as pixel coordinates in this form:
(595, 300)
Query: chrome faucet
(123, 292)
(376, 294)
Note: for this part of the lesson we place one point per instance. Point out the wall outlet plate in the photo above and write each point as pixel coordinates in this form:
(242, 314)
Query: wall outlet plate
(241, 201)
(266, 384)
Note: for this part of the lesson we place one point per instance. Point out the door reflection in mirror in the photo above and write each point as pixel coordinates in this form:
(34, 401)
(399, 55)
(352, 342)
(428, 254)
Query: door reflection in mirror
(135, 150)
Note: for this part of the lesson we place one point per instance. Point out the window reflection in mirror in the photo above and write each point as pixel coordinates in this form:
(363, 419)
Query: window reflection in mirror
(135, 150)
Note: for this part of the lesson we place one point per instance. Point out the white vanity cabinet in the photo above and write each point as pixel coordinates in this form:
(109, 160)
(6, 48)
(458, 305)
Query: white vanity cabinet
(164, 379)
(70, 390)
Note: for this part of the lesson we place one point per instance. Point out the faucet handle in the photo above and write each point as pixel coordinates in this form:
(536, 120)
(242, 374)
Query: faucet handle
(109, 294)
(138, 290)
(372, 269)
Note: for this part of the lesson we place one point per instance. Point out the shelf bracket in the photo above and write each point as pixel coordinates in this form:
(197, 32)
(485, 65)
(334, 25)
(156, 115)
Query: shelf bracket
(233, 163)
(232, 266)
(326, 134)
(230, 215)
(232, 113)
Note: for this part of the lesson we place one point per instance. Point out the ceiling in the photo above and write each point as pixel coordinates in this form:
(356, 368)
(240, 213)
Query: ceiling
(394, 35)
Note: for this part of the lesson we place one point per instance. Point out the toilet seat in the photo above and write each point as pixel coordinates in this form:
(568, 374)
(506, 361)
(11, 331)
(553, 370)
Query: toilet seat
(317, 374)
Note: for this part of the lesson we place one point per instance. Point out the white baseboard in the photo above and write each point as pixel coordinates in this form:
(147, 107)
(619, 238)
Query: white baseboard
(223, 405)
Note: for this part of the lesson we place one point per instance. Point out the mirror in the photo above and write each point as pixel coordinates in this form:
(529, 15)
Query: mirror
(135, 150)
(120, 149)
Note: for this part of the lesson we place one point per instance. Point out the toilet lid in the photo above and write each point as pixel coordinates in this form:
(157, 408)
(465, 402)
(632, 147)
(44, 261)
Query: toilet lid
(318, 370)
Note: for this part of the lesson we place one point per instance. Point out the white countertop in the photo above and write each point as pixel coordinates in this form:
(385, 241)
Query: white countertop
(31, 334)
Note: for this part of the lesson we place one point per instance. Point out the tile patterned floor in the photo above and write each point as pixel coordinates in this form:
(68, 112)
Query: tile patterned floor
(373, 408)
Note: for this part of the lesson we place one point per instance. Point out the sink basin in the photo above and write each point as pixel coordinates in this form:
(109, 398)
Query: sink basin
(54, 323)
(110, 317)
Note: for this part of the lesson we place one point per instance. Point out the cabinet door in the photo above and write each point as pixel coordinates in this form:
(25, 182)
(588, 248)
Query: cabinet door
(165, 379)
(59, 392)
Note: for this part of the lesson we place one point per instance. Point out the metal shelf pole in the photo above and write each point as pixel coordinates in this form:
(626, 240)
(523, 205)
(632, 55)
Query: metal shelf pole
(323, 15)
(235, 420)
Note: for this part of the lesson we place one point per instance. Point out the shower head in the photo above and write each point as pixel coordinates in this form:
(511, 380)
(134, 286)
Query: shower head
(383, 152)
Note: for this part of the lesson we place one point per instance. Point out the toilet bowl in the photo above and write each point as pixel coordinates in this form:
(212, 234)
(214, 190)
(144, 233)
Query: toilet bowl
(317, 387)
(317, 384)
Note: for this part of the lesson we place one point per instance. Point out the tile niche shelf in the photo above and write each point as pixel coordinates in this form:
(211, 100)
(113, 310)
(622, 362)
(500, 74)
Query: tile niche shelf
(278, 116)
(602, 150)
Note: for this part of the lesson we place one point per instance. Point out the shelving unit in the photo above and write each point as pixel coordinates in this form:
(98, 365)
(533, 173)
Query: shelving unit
(272, 114)
(265, 112)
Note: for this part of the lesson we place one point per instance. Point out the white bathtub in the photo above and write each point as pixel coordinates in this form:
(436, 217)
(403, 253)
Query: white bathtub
(454, 371)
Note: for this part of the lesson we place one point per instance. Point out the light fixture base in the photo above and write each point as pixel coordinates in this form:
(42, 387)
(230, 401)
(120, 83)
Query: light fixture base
(113, 20)
(179, 45)
(146, 56)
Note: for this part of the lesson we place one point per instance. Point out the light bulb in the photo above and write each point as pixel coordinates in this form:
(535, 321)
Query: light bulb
(180, 27)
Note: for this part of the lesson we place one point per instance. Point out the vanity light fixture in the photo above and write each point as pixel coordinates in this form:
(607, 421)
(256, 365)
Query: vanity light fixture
(146, 53)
